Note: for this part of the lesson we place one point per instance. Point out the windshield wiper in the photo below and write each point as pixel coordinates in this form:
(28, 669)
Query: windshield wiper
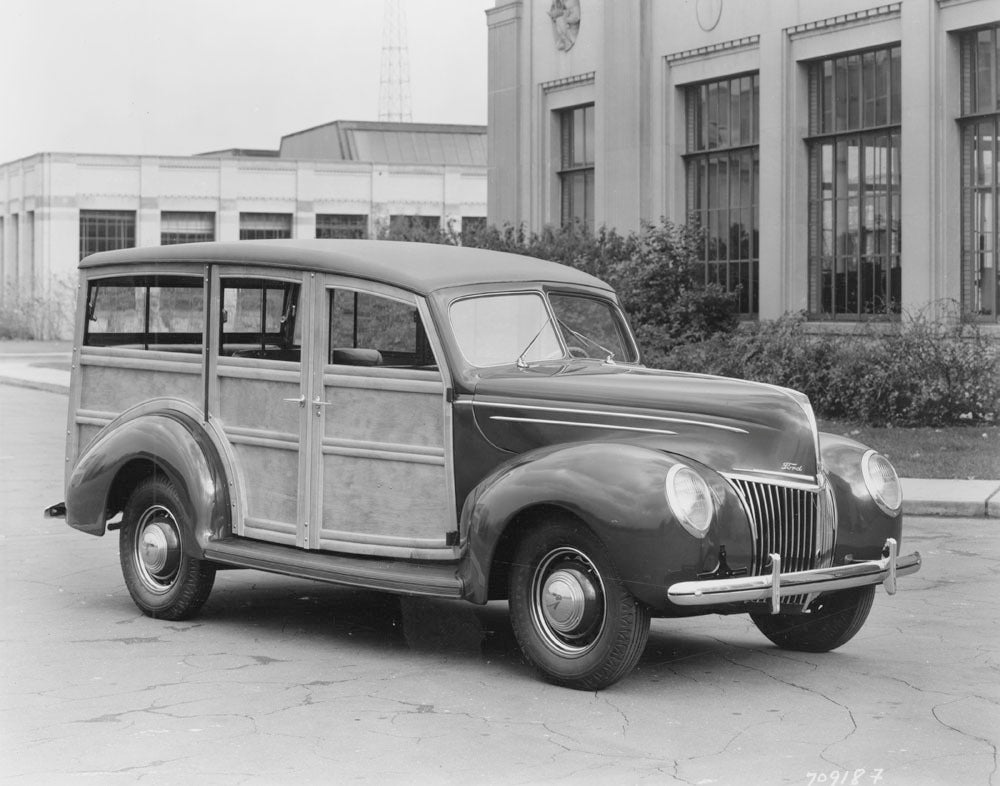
(609, 354)
(521, 363)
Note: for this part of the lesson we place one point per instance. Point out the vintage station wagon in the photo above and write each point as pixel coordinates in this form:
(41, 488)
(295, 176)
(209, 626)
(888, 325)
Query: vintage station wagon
(459, 423)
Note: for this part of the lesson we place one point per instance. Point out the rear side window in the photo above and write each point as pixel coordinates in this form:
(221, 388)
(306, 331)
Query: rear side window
(146, 312)
(259, 319)
(388, 332)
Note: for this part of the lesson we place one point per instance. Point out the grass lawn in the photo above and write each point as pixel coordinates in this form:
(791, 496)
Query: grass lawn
(966, 452)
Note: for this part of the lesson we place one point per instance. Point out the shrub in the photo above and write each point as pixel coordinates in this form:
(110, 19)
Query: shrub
(918, 372)
(47, 315)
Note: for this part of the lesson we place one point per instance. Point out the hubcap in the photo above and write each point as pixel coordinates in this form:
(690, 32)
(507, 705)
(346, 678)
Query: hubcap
(568, 601)
(564, 599)
(157, 548)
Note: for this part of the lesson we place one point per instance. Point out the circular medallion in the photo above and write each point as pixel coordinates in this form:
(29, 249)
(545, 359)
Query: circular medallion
(565, 16)
(709, 12)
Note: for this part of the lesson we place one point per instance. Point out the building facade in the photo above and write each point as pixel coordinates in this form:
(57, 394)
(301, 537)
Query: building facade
(840, 156)
(342, 179)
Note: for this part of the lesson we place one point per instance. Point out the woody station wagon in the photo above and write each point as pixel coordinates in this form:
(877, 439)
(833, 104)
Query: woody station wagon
(440, 421)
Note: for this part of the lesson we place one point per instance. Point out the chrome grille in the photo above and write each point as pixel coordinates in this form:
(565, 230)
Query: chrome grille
(792, 522)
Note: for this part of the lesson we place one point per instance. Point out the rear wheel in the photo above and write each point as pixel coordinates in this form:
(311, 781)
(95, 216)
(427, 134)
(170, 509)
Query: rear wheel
(573, 617)
(163, 581)
(832, 620)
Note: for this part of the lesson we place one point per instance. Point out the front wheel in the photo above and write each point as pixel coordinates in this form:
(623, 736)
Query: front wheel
(164, 581)
(832, 620)
(572, 616)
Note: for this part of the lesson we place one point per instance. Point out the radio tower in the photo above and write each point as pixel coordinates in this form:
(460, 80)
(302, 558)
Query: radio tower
(394, 90)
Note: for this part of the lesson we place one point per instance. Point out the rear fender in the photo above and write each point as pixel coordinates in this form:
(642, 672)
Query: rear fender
(165, 437)
(617, 490)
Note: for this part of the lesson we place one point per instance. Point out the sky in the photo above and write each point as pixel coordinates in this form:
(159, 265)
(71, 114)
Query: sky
(179, 77)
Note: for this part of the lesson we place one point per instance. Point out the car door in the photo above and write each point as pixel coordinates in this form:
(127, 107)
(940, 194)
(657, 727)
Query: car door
(381, 426)
(257, 392)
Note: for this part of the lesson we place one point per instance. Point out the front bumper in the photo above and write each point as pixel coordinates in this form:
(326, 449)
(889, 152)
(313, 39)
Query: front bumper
(777, 585)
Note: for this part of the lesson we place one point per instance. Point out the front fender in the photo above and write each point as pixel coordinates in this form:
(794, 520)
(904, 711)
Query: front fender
(168, 441)
(862, 527)
(617, 490)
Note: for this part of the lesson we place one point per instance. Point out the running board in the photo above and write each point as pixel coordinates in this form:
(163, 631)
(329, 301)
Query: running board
(408, 578)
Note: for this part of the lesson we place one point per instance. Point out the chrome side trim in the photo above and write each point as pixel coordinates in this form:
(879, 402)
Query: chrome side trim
(767, 587)
(583, 425)
(605, 413)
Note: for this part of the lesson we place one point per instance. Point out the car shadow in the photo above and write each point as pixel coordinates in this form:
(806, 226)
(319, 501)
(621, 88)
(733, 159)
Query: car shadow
(379, 622)
(361, 618)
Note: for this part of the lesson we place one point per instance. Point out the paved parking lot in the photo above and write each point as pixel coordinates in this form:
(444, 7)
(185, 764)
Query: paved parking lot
(288, 681)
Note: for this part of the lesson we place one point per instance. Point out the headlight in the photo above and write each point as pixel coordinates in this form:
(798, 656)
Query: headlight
(690, 499)
(882, 482)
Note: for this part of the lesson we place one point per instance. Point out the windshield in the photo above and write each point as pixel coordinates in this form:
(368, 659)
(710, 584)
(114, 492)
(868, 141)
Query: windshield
(499, 329)
(495, 330)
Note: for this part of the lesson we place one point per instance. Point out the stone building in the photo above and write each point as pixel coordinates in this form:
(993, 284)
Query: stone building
(841, 156)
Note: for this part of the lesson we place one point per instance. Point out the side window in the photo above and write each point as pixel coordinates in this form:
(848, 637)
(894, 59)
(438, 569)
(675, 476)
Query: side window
(370, 330)
(146, 312)
(259, 319)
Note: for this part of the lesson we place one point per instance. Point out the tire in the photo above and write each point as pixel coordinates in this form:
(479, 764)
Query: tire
(597, 637)
(832, 620)
(164, 581)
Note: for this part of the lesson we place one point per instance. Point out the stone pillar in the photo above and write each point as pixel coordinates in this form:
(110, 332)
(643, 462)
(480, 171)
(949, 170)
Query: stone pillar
(147, 229)
(921, 221)
(622, 169)
(305, 204)
(507, 127)
(228, 220)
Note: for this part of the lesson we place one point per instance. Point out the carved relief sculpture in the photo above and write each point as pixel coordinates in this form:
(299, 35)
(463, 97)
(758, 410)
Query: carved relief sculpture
(565, 15)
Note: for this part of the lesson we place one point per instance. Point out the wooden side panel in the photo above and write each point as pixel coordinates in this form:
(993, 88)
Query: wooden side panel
(383, 475)
(383, 499)
(263, 430)
(114, 380)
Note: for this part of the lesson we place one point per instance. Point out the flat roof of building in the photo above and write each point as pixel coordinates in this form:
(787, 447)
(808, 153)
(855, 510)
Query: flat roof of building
(418, 267)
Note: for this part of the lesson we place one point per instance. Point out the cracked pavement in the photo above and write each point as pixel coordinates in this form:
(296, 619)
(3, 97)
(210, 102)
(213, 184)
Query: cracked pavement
(291, 681)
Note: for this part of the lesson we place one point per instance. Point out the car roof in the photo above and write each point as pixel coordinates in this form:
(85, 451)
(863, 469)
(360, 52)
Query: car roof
(419, 267)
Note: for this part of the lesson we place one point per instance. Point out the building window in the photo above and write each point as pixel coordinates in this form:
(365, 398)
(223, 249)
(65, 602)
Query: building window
(723, 162)
(106, 230)
(854, 184)
(186, 228)
(576, 165)
(265, 226)
(472, 227)
(980, 128)
(331, 225)
(413, 227)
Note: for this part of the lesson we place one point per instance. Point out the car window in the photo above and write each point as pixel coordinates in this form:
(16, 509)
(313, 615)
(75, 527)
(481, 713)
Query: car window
(146, 312)
(591, 328)
(259, 319)
(367, 329)
(495, 330)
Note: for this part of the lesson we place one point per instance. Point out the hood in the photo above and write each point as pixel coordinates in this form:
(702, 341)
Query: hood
(728, 424)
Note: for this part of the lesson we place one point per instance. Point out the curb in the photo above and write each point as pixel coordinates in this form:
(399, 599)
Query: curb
(49, 387)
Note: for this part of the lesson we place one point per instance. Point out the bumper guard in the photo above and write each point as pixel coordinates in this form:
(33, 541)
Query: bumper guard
(777, 585)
